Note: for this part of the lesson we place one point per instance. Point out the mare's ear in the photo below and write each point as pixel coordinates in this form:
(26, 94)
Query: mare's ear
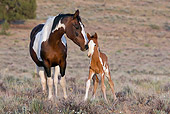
(76, 14)
(88, 36)
(95, 35)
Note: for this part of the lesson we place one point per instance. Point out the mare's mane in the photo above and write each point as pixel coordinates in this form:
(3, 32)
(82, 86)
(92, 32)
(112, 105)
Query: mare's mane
(59, 17)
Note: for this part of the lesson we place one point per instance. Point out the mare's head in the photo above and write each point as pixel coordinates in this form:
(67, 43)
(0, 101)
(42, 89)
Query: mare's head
(75, 31)
(92, 44)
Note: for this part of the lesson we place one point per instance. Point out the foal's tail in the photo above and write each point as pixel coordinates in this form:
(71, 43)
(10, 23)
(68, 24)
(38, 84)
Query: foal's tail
(35, 30)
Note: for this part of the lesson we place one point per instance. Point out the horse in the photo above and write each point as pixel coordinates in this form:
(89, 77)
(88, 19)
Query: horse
(98, 65)
(48, 47)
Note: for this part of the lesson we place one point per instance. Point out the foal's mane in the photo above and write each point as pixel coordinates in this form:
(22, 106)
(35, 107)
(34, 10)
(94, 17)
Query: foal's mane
(60, 16)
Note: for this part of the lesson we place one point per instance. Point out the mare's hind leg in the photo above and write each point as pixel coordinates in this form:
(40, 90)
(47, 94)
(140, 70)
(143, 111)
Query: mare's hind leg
(91, 73)
(40, 71)
(36, 71)
(103, 86)
(95, 84)
(63, 81)
(56, 73)
(107, 72)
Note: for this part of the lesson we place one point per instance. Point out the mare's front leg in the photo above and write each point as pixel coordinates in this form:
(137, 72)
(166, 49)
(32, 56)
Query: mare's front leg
(63, 81)
(47, 68)
(56, 73)
(91, 73)
(41, 73)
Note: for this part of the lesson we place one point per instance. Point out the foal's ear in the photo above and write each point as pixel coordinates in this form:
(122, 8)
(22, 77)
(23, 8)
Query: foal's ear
(76, 14)
(88, 36)
(95, 35)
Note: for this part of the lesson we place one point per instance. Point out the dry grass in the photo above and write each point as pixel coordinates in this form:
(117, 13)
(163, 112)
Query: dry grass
(135, 36)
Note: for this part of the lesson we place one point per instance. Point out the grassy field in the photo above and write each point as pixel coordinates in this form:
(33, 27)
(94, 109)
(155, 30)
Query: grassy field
(135, 35)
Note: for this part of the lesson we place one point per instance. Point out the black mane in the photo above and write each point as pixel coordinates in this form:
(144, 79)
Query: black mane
(57, 19)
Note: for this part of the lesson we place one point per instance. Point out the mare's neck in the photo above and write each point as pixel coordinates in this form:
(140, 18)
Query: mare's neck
(56, 36)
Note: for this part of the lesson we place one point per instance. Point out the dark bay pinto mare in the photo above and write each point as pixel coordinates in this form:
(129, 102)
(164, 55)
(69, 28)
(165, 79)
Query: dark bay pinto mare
(48, 47)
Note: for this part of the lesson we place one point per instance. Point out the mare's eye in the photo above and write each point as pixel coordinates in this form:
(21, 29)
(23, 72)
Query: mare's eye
(76, 26)
(95, 45)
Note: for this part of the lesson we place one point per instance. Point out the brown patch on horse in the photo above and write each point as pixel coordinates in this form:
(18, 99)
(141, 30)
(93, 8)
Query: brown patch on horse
(48, 49)
(98, 65)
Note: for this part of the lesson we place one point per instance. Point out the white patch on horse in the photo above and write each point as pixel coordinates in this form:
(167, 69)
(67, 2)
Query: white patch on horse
(91, 45)
(83, 32)
(44, 34)
(101, 61)
(59, 26)
(63, 40)
(103, 65)
(90, 61)
(107, 70)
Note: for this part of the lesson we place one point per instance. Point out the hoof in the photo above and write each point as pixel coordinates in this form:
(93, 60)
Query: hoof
(115, 101)
(65, 97)
(50, 98)
(93, 98)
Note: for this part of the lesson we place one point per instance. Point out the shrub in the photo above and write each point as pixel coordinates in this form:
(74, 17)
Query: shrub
(156, 27)
(11, 10)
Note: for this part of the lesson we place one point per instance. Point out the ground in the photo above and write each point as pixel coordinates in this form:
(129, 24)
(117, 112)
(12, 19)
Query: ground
(134, 34)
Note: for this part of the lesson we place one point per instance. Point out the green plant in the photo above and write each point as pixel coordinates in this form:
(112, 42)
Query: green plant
(167, 26)
(5, 27)
(17, 9)
(147, 45)
(156, 27)
(36, 106)
(11, 10)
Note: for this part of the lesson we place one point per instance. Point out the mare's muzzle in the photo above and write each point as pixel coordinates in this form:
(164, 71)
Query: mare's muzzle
(86, 47)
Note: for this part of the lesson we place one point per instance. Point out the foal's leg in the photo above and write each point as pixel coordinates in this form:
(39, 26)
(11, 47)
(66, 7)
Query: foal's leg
(91, 73)
(40, 71)
(63, 81)
(103, 86)
(56, 73)
(107, 72)
(95, 83)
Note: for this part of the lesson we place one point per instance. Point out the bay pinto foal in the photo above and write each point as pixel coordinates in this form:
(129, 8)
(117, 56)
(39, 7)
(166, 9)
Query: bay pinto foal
(48, 49)
(98, 65)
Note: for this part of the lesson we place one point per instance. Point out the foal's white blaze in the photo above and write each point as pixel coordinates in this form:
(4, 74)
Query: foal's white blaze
(83, 32)
(91, 45)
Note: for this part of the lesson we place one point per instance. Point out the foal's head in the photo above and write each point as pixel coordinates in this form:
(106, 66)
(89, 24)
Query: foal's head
(75, 31)
(93, 44)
